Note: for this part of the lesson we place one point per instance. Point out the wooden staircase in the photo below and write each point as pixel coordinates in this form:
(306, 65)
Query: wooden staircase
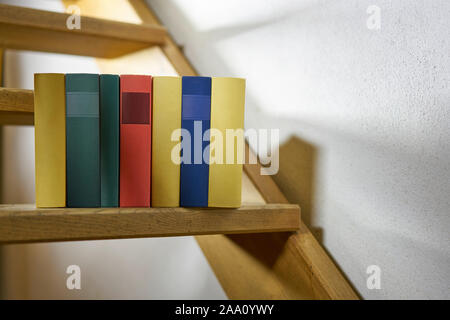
(260, 251)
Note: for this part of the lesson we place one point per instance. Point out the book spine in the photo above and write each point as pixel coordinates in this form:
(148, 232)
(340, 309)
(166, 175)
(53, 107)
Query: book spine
(50, 139)
(135, 140)
(194, 169)
(109, 140)
(166, 120)
(227, 120)
(82, 140)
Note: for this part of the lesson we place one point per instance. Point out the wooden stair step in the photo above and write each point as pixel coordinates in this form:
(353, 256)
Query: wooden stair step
(16, 106)
(39, 30)
(23, 223)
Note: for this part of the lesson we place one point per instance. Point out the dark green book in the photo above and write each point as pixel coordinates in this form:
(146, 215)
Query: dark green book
(82, 140)
(109, 140)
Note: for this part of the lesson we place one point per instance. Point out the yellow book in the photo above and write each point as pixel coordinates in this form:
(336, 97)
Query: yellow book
(166, 119)
(50, 139)
(227, 142)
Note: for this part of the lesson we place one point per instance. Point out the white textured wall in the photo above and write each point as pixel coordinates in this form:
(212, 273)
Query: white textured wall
(157, 268)
(374, 105)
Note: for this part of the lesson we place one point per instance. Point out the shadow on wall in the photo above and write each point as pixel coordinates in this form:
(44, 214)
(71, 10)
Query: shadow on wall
(295, 178)
(267, 248)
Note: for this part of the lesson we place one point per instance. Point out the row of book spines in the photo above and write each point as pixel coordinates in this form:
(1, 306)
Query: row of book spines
(223, 183)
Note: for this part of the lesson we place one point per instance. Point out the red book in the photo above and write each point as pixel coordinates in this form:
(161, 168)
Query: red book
(135, 140)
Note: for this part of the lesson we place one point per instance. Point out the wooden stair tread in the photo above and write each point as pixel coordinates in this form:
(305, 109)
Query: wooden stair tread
(25, 223)
(16, 106)
(39, 30)
(16, 100)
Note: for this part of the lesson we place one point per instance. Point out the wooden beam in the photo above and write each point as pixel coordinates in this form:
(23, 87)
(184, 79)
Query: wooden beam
(26, 223)
(30, 29)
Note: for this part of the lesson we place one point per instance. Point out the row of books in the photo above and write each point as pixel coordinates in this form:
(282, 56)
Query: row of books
(108, 140)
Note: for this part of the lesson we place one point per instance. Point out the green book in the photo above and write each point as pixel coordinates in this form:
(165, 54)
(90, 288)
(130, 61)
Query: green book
(82, 140)
(109, 140)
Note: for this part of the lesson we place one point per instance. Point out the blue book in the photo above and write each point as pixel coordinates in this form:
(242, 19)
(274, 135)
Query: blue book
(195, 118)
